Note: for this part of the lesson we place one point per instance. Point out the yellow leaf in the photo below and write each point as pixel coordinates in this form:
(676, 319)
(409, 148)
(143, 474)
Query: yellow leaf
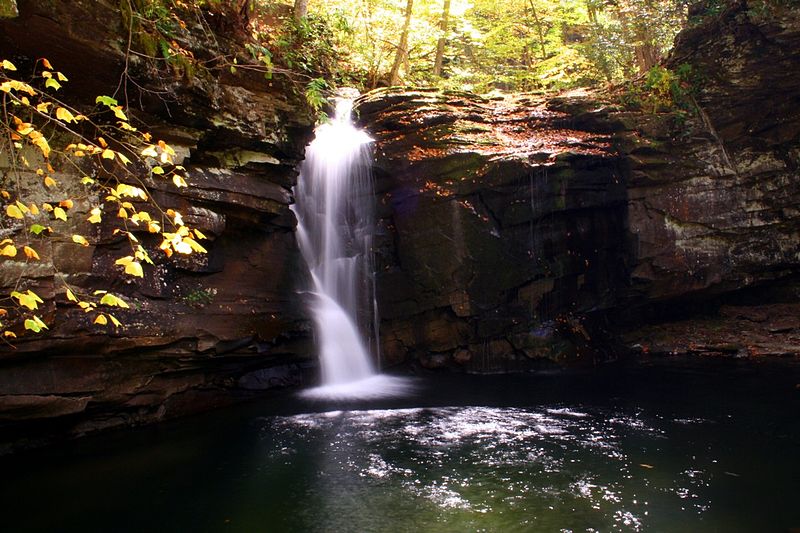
(102, 142)
(150, 151)
(38, 139)
(70, 296)
(128, 259)
(153, 227)
(182, 247)
(25, 128)
(134, 268)
(119, 113)
(46, 74)
(8, 250)
(30, 253)
(123, 158)
(96, 216)
(195, 246)
(122, 213)
(199, 235)
(61, 76)
(28, 299)
(10, 334)
(44, 107)
(8, 65)
(49, 182)
(110, 299)
(33, 209)
(179, 181)
(158, 170)
(101, 319)
(65, 115)
(114, 321)
(108, 154)
(79, 239)
(60, 214)
(14, 212)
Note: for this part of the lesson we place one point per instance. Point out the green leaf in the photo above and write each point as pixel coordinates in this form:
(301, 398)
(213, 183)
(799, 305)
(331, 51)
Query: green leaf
(106, 100)
(37, 229)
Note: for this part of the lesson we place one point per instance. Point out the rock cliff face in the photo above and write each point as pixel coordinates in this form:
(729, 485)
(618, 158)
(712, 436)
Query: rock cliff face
(521, 231)
(201, 331)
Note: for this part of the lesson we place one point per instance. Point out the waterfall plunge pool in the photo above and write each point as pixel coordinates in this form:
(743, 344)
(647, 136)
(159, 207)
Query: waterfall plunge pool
(693, 447)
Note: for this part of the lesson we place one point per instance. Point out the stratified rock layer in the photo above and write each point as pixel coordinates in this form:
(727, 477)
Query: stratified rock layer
(519, 230)
(203, 330)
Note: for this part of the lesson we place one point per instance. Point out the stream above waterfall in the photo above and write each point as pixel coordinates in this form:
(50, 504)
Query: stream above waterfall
(667, 447)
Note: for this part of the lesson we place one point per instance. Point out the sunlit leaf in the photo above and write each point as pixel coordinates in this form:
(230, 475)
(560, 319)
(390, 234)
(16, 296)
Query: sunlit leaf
(27, 299)
(52, 84)
(30, 253)
(9, 250)
(95, 215)
(70, 296)
(65, 115)
(110, 299)
(14, 212)
(108, 154)
(101, 319)
(36, 229)
(134, 268)
(49, 182)
(106, 100)
(80, 239)
(8, 65)
(60, 214)
(119, 113)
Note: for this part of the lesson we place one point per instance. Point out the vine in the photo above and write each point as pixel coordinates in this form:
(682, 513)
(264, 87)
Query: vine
(44, 140)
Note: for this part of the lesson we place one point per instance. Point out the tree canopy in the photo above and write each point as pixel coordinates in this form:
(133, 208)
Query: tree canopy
(481, 45)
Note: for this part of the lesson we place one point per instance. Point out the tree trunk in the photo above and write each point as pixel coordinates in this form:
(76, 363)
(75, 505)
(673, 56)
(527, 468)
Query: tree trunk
(538, 24)
(647, 56)
(300, 9)
(440, 44)
(402, 48)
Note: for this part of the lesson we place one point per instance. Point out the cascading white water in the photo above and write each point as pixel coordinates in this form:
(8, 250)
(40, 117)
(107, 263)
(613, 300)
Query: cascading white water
(334, 208)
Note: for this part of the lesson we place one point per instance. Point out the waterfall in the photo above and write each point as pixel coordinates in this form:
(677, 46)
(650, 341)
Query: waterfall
(335, 214)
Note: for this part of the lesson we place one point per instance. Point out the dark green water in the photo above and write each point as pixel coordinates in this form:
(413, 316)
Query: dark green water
(687, 448)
